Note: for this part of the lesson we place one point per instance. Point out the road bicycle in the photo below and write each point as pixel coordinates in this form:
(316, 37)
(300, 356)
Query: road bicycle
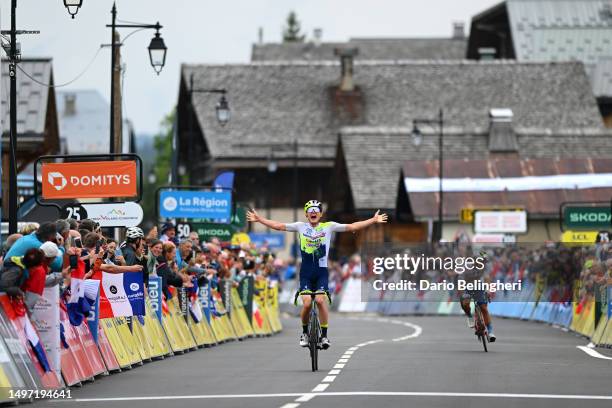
(314, 329)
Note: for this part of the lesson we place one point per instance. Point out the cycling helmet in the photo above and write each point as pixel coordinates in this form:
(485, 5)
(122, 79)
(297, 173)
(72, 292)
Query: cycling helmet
(313, 203)
(134, 233)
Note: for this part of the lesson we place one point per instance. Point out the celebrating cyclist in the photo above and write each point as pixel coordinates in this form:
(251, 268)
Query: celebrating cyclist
(315, 238)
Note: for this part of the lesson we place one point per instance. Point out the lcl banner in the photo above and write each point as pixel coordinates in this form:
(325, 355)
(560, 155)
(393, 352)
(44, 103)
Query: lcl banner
(97, 179)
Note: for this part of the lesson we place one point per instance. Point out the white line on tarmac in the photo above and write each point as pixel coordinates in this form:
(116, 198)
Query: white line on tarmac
(339, 365)
(290, 405)
(317, 392)
(593, 353)
(417, 332)
(305, 398)
(333, 372)
(320, 388)
(329, 378)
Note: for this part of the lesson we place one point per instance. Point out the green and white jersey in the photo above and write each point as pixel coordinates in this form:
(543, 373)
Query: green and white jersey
(315, 241)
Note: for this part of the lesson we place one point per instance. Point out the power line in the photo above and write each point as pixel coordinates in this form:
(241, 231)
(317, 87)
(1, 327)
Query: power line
(66, 83)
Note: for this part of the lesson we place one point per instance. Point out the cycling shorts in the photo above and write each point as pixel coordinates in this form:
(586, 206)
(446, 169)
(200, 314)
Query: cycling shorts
(314, 279)
(480, 296)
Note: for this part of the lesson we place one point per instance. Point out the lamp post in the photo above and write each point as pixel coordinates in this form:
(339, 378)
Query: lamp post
(157, 55)
(417, 139)
(73, 6)
(13, 52)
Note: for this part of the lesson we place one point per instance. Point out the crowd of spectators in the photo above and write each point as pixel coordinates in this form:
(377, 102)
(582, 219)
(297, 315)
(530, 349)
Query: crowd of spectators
(48, 254)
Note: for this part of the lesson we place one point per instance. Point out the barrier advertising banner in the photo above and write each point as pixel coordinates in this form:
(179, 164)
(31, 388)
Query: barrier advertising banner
(122, 294)
(204, 295)
(46, 319)
(271, 240)
(212, 205)
(155, 287)
(246, 290)
(99, 179)
(93, 320)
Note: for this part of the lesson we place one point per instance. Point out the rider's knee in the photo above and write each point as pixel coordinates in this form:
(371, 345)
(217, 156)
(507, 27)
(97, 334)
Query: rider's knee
(307, 301)
(320, 300)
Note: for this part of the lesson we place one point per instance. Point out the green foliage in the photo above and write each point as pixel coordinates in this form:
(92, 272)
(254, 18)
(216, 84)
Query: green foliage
(291, 32)
(161, 166)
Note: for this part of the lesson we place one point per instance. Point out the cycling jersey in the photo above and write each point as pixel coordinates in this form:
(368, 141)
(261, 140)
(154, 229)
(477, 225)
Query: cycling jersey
(314, 246)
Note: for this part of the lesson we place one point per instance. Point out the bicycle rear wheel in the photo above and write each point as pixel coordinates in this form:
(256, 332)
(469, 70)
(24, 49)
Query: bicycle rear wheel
(480, 328)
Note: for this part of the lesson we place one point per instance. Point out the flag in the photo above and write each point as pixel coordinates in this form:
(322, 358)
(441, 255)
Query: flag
(36, 345)
(83, 294)
(122, 294)
(257, 315)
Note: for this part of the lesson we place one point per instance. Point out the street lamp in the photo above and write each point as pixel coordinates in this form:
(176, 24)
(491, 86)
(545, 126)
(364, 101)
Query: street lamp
(416, 136)
(157, 52)
(73, 6)
(157, 55)
(223, 110)
(417, 139)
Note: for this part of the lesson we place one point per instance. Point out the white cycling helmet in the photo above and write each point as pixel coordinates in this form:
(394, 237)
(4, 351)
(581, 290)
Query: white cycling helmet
(134, 233)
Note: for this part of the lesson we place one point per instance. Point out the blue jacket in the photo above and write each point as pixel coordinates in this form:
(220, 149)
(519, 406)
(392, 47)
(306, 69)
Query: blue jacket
(25, 243)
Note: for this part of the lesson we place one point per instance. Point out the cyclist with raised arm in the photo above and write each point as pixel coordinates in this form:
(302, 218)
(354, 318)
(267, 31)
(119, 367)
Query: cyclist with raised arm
(315, 238)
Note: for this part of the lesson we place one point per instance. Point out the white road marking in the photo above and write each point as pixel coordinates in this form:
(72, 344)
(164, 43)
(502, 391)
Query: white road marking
(353, 348)
(343, 360)
(339, 365)
(593, 353)
(320, 388)
(329, 378)
(173, 397)
(290, 405)
(334, 372)
(346, 356)
(417, 332)
(349, 352)
(317, 392)
(305, 398)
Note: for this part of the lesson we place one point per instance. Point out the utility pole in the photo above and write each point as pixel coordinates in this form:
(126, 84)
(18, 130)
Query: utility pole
(116, 105)
(13, 123)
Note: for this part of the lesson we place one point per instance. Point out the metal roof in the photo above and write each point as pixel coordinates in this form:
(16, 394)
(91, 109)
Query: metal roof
(538, 203)
(564, 30)
(280, 102)
(32, 98)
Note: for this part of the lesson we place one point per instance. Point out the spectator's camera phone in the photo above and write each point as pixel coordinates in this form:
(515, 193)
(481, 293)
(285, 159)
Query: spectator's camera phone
(78, 243)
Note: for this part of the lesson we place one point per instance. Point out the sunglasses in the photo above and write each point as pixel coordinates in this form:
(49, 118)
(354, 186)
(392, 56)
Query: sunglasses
(313, 210)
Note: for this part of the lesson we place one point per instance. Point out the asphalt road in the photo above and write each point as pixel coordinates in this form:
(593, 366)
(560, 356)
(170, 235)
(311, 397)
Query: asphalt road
(373, 362)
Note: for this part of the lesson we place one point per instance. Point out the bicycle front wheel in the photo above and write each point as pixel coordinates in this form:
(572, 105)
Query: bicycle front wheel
(314, 356)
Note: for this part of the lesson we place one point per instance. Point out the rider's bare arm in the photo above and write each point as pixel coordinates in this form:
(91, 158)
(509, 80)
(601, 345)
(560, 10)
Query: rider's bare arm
(253, 216)
(376, 219)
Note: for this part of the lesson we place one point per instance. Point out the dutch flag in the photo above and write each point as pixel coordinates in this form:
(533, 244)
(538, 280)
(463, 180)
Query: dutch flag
(83, 295)
(34, 341)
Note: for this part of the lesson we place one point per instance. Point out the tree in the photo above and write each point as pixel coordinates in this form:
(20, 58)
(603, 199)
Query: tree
(161, 167)
(291, 32)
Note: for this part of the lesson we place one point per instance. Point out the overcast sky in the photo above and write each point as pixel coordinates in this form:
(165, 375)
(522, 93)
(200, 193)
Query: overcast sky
(199, 31)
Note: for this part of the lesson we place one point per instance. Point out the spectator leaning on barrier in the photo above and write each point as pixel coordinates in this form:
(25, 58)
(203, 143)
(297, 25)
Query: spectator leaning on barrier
(167, 269)
(46, 232)
(184, 253)
(36, 281)
(15, 271)
(133, 251)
